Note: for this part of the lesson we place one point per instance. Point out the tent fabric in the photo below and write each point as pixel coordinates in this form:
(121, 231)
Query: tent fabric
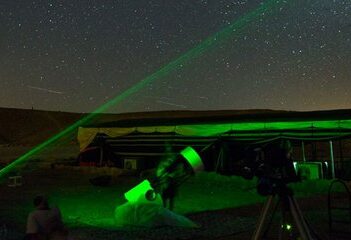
(87, 135)
(149, 215)
(297, 129)
(174, 118)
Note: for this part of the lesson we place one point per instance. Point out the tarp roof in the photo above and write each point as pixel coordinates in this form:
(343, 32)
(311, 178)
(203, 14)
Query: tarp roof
(240, 125)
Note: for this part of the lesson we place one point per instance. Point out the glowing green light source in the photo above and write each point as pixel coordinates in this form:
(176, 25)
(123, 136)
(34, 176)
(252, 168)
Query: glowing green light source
(288, 227)
(193, 158)
(295, 166)
(138, 192)
(207, 44)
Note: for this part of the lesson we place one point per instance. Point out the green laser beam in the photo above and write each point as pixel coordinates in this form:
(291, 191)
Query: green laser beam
(193, 53)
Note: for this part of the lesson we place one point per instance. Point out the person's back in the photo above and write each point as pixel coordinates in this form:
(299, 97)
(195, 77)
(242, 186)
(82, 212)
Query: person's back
(44, 222)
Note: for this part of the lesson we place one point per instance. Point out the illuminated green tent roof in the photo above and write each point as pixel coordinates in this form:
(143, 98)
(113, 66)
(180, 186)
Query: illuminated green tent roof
(238, 125)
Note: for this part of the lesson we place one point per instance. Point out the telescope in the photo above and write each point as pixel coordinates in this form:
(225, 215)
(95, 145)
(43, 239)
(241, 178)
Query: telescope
(179, 167)
(270, 163)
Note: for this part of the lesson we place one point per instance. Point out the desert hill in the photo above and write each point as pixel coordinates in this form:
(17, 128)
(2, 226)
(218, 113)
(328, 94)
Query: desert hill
(30, 127)
(23, 129)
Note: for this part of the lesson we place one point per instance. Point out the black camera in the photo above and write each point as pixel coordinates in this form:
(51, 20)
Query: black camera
(272, 164)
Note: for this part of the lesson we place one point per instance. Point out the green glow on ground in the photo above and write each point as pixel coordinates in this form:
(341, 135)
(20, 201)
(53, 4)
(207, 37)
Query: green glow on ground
(197, 51)
(288, 227)
(83, 204)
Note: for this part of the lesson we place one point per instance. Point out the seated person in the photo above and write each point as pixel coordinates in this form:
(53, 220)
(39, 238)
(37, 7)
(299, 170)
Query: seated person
(44, 222)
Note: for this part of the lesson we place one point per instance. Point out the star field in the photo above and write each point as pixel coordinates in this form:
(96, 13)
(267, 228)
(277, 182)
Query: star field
(76, 55)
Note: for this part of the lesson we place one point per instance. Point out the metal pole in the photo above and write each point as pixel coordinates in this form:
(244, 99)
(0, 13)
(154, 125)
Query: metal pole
(332, 159)
(101, 155)
(303, 151)
(101, 145)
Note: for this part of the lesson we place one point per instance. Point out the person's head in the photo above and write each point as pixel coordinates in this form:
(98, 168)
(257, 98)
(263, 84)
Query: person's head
(286, 146)
(40, 202)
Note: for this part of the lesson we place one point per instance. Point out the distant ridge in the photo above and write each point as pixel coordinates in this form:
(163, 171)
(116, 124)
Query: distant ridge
(31, 127)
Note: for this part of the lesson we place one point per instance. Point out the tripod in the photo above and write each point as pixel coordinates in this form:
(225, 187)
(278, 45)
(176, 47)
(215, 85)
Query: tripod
(288, 204)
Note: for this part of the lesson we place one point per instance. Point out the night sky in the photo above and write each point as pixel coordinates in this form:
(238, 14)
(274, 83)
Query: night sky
(74, 55)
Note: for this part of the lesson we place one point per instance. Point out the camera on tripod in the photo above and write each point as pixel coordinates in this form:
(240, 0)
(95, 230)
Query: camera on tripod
(272, 164)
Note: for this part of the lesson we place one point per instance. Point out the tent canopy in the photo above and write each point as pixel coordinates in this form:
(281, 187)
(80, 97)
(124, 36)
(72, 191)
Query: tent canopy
(238, 125)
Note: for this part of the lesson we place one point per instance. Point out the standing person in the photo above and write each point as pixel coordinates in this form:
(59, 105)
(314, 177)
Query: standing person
(165, 175)
(169, 192)
(45, 223)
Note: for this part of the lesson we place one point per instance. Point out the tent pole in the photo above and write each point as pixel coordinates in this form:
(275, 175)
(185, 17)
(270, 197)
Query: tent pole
(101, 155)
(101, 143)
(219, 160)
(303, 151)
(332, 159)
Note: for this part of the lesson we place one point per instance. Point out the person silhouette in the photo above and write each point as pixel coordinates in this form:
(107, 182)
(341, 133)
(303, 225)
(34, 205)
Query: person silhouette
(45, 222)
(169, 192)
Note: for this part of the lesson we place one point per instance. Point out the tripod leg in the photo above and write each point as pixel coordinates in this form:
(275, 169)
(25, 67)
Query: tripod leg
(262, 219)
(285, 208)
(282, 222)
(299, 220)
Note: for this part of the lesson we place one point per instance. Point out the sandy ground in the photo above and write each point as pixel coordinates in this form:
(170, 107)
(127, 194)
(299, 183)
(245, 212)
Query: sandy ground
(224, 207)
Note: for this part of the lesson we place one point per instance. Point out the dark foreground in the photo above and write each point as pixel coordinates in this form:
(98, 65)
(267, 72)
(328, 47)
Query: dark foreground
(224, 207)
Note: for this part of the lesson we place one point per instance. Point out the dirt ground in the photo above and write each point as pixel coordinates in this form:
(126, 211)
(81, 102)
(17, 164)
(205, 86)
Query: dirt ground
(224, 207)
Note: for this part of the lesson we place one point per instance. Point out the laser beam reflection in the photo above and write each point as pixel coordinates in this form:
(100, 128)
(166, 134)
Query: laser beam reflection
(207, 44)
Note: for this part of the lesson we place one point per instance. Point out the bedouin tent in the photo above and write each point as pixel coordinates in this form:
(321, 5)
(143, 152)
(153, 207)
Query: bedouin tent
(300, 125)
(193, 127)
